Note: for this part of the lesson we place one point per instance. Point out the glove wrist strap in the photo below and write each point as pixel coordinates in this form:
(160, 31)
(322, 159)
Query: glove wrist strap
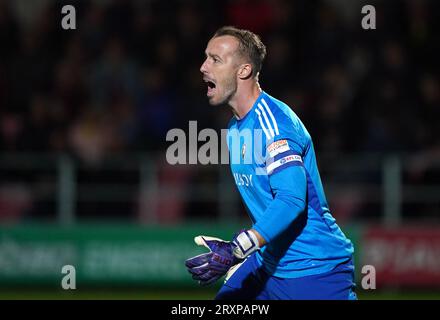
(245, 243)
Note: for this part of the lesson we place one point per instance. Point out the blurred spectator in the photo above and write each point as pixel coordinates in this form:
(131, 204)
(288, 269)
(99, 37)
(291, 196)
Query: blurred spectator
(92, 136)
(15, 203)
(130, 72)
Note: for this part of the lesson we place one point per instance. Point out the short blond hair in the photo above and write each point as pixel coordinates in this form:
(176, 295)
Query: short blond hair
(250, 46)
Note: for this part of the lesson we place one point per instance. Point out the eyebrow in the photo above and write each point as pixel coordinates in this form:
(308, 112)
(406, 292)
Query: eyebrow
(213, 56)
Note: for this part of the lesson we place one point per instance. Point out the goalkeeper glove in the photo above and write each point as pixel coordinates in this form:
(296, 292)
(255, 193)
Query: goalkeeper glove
(209, 267)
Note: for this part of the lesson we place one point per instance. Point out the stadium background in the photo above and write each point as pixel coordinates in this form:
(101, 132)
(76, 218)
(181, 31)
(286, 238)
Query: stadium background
(84, 115)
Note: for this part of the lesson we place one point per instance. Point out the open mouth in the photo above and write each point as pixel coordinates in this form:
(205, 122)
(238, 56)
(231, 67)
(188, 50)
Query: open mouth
(211, 87)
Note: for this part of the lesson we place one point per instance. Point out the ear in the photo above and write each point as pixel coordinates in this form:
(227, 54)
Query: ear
(245, 71)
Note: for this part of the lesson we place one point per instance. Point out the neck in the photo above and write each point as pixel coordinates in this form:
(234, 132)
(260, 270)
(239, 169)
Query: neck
(244, 100)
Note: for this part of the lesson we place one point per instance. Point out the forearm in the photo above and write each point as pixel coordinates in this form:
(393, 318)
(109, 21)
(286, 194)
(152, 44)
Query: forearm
(278, 217)
(261, 241)
(289, 202)
(289, 187)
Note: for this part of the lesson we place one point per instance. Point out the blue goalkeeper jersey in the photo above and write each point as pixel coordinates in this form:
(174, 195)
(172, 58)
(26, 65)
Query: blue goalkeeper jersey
(274, 166)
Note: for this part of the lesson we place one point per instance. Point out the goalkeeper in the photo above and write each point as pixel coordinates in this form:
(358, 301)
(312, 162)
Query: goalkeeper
(295, 249)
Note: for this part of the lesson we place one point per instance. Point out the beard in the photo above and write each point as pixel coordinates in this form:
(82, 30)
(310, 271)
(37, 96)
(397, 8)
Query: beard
(229, 89)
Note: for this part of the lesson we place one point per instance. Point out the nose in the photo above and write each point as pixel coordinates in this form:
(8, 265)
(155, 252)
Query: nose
(203, 67)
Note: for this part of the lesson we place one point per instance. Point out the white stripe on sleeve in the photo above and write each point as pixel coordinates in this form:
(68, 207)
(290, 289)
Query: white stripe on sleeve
(269, 126)
(271, 116)
(262, 125)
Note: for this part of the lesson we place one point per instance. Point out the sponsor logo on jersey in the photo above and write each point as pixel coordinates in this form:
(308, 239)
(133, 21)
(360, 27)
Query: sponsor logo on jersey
(277, 147)
(277, 164)
(242, 179)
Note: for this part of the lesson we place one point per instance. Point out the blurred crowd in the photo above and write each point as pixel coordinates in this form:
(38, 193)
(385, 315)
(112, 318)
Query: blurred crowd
(130, 72)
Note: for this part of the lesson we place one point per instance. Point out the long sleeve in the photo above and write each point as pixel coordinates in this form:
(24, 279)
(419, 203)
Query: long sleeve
(289, 187)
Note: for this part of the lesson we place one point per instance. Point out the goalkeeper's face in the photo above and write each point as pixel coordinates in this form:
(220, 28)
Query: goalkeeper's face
(220, 69)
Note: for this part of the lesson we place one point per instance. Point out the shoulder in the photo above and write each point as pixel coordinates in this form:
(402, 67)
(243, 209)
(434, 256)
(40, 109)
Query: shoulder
(280, 121)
